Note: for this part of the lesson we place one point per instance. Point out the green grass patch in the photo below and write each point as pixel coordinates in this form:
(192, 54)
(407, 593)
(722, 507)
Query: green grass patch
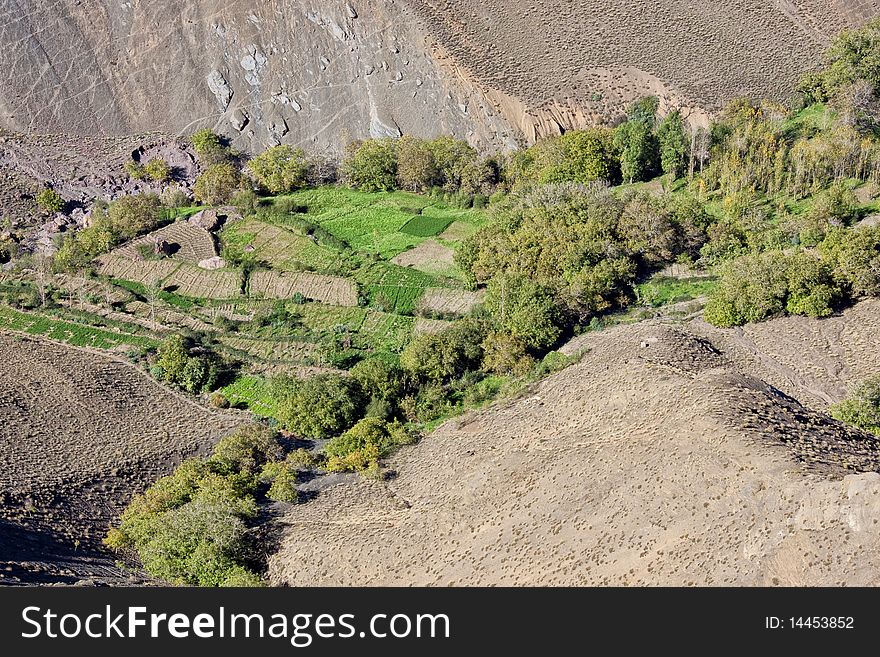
(171, 298)
(665, 291)
(253, 393)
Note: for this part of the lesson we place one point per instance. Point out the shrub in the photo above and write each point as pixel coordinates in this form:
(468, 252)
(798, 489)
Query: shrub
(246, 450)
(318, 407)
(134, 170)
(246, 202)
(50, 201)
(193, 373)
(281, 169)
(756, 287)
(218, 184)
(219, 400)
(157, 170)
(174, 196)
(191, 527)
(505, 354)
(362, 445)
(209, 147)
(282, 479)
(837, 206)
(862, 407)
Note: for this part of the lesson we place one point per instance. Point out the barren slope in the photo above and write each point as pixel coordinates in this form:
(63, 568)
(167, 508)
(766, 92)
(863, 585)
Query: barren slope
(557, 64)
(657, 460)
(321, 73)
(79, 433)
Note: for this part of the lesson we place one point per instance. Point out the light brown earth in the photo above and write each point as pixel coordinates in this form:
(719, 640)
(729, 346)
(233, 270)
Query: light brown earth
(663, 457)
(318, 74)
(80, 432)
(430, 257)
(446, 301)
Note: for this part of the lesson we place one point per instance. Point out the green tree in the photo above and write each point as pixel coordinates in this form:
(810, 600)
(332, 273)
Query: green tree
(177, 367)
(192, 527)
(453, 159)
(379, 379)
(280, 170)
(50, 201)
(854, 56)
(577, 156)
(673, 145)
(756, 287)
(855, 258)
(524, 309)
(638, 149)
(134, 215)
(218, 184)
(441, 357)
(318, 407)
(371, 165)
(416, 167)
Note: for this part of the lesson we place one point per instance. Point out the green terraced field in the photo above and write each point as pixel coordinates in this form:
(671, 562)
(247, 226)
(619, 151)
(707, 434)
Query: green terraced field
(382, 223)
(78, 335)
(423, 225)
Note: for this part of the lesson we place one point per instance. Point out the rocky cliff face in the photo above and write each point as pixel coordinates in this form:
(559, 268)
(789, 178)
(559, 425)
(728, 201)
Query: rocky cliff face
(317, 74)
(313, 74)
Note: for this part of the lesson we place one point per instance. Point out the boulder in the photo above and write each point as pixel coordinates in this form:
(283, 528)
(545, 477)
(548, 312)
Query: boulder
(209, 220)
(212, 263)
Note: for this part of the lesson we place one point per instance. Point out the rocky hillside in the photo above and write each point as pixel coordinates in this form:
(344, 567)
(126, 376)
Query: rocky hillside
(665, 458)
(318, 74)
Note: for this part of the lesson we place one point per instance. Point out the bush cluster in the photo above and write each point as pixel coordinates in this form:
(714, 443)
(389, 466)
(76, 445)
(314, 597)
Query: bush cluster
(192, 527)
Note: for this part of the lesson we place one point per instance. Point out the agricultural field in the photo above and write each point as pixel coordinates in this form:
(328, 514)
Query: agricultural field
(445, 301)
(274, 350)
(187, 242)
(79, 434)
(430, 257)
(310, 280)
(191, 281)
(333, 290)
(393, 288)
(146, 272)
(382, 223)
(280, 248)
(72, 333)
